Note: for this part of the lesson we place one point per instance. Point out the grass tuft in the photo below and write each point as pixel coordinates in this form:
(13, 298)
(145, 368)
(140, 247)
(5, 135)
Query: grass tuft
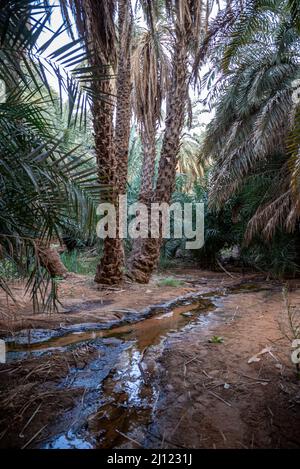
(170, 282)
(79, 263)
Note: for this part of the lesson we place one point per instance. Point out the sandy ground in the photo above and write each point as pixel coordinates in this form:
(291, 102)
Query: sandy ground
(214, 398)
(209, 396)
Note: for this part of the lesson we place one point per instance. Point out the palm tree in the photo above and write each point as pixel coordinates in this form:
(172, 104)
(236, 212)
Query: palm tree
(109, 53)
(191, 163)
(111, 268)
(97, 21)
(188, 19)
(150, 75)
(256, 121)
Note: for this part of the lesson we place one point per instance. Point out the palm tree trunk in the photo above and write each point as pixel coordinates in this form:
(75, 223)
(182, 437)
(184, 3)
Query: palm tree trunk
(146, 189)
(149, 157)
(146, 258)
(50, 259)
(100, 42)
(111, 267)
(123, 112)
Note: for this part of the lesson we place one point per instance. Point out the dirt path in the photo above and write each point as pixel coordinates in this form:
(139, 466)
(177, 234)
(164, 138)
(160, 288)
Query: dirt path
(154, 380)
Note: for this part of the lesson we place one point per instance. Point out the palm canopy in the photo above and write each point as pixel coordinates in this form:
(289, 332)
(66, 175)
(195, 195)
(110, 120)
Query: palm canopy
(31, 58)
(256, 63)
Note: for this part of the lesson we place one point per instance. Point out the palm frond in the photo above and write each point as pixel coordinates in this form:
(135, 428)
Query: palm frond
(255, 116)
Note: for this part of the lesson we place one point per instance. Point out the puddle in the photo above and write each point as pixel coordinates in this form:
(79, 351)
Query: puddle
(69, 441)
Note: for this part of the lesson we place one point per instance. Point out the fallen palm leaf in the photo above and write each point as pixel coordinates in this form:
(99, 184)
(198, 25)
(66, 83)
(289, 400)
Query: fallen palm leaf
(256, 358)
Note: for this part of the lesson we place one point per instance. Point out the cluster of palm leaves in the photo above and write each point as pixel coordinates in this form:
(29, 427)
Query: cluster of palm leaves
(47, 183)
(253, 48)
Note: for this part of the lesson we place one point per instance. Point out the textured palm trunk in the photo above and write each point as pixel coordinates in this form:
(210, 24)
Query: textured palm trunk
(146, 189)
(149, 157)
(50, 259)
(111, 266)
(147, 256)
(110, 269)
(123, 112)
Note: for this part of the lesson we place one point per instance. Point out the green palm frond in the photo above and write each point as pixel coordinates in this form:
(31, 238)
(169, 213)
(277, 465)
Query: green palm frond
(255, 116)
(27, 57)
(47, 182)
(42, 191)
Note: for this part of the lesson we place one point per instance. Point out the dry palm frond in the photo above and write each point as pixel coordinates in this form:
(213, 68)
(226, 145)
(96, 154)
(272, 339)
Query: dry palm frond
(255, 116)
(97, 16)
(190, 18)
(190, 160)
(151, 71)
(269, 217)
(150, 76)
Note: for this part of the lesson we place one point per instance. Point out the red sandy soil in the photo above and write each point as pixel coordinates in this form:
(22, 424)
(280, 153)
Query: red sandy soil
(209, 395)
(214, 398)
